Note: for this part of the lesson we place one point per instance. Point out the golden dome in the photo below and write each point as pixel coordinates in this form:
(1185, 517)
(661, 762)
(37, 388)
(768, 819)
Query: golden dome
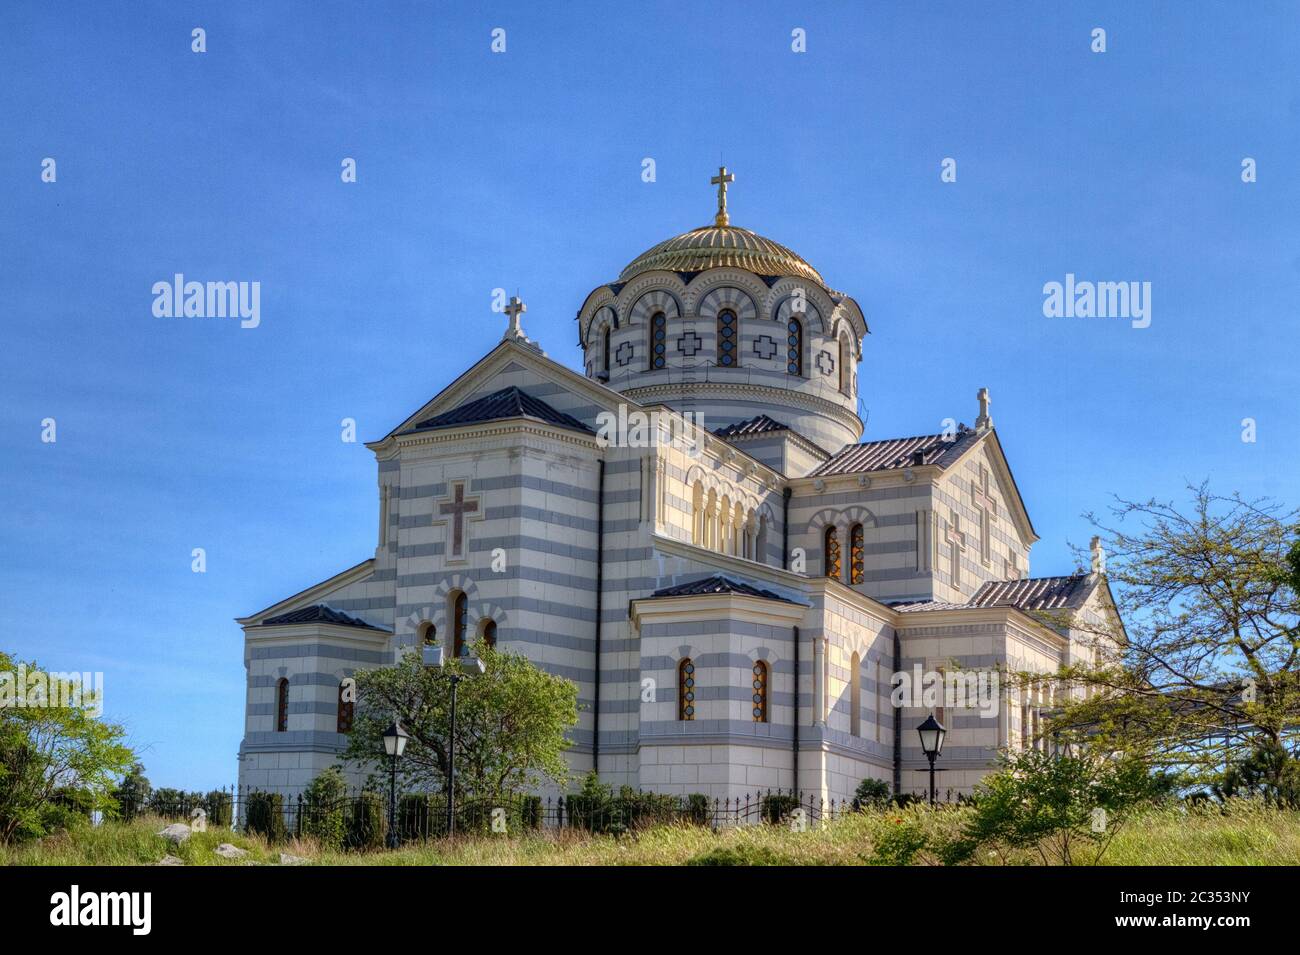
(714, 246)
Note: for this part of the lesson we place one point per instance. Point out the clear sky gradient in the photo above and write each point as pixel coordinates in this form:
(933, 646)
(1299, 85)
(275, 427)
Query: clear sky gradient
(523, 170)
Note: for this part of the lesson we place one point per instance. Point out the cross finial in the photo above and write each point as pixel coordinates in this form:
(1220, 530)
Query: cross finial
(721, 180)
(514, 308)
(983, 422)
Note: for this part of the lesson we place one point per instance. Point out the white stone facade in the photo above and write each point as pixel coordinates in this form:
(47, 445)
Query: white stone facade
(922, 539)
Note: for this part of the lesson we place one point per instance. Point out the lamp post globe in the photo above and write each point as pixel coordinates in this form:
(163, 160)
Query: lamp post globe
(932, 733)
(395, 738)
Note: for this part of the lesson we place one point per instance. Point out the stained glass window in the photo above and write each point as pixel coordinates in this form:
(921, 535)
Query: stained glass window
(794, 347)
(857, 552)
(458, 624)
(686, 690)
(282, 706)
(658, 339)
(833, 568)
(728, 343)
(760, 692)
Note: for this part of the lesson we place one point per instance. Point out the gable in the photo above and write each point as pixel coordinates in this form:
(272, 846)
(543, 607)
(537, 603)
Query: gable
(984, 464)
(513, 366)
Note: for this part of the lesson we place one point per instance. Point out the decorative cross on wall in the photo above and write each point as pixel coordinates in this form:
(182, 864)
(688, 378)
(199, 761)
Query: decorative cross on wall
(623, 354)
(458, 506)
(689, 344)
(825, 362)
(988, 509)
(765, 347)
(956, 544)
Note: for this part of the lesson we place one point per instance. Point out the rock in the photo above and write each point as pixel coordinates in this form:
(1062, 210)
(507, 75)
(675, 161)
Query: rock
(176, 833)
(287, 859)
(170, 860)
(227, 851)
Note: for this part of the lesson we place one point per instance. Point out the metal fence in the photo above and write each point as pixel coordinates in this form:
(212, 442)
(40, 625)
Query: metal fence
(360, 819)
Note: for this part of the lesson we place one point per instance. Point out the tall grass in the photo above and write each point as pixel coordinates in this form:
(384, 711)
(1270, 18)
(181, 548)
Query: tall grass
(1243, 834)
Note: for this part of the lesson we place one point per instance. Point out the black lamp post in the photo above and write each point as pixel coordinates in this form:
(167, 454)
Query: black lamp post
(394, 743)
(469, 666)
(932, 734)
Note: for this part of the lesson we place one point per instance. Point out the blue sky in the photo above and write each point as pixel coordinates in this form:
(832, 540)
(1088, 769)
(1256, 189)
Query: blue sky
(522, 170)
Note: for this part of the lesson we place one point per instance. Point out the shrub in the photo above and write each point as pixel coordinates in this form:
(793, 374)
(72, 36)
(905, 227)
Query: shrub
(637, 810)
(367, 825)
(530, 813)
(323, 810)
(871, 794)
(218, 804)
(421, 816)
(699, 810)
(265, 815)
(591, 808)
(1057, 804)
(745, 854)
(170, 803)
(776, 807)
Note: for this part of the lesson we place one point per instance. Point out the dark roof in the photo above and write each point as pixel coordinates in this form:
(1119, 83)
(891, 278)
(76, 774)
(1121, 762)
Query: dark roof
(1035, 593)
(1030, 593)
(717, 584)
(321, 613)
(759, 424)
(509, 402)
(898, 453)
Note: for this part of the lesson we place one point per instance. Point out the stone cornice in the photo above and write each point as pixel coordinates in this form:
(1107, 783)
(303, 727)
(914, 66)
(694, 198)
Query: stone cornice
(289, 633)
(766, 393)
(968, 616)
(789, 434)
(728, 564)
(489, 435)
(762, 610)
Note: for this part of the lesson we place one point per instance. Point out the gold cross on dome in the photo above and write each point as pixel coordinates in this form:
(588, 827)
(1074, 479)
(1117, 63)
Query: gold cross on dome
(721, 180)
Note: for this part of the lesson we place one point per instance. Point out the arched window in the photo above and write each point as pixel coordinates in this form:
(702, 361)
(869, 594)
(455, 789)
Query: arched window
(760, 691)
(686, 689)
(857, 554)
(458, 605)
(347, 709)
(760, 544)
(282, 705)
(846, 366)
(794, 347)
(658, 340)
(490, 633)
(429, 636)
(855, 695)
(604, 350)
(728, 339)
(832, 553)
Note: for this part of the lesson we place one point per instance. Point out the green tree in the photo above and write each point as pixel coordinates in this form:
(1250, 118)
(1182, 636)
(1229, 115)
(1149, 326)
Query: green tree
(1056, 804)
(510, 723)
(46, 751)
(132, 794)
(1206, 668)
(1269, 773)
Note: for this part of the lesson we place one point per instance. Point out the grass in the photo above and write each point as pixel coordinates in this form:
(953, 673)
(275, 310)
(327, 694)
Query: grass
(1244, 835)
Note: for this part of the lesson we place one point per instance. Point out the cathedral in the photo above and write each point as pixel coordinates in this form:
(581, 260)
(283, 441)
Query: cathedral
(693, 531)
